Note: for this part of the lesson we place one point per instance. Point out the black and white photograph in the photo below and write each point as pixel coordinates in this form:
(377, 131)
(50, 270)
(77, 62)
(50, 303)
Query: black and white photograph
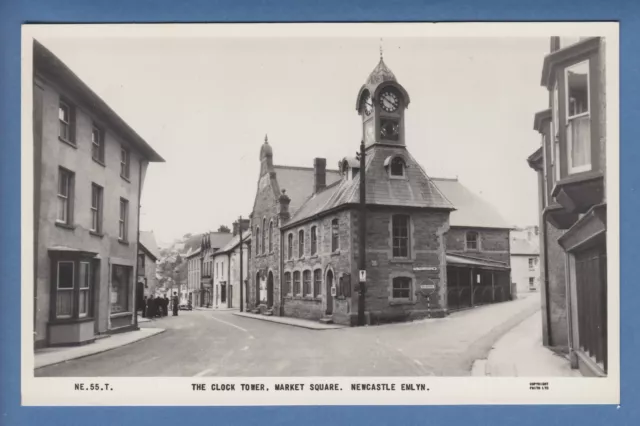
(283, 214)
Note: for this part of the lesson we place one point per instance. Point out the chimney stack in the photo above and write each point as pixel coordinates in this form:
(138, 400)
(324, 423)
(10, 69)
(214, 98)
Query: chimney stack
(240, 226)
(284, 201)
(319, 174)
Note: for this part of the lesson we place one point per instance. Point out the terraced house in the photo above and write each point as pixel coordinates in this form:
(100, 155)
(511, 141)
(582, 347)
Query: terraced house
(305, 225)
(89, 169)
(571, 167)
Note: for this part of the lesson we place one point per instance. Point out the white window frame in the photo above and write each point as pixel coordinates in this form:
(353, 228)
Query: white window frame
(404, 167)
(99, 145)
(585, 167)
(64, 198)
(122, 221)
(555, 130)
(96, 210)
(466, 240)
(125, 160)
(73, 285)
(411, 285)
(62, 105)
(86, 289)
(408, 237)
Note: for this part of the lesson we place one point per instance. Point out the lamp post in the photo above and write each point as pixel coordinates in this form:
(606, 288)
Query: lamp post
(363, 231)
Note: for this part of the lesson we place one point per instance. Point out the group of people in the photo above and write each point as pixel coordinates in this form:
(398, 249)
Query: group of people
(153, 307)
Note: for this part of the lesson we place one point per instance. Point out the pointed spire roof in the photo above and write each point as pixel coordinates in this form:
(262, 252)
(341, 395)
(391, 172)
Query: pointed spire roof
(381, 73)
(266, 150)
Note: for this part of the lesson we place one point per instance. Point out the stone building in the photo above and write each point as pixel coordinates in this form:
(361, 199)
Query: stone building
(305, 231)
(148, 255)
(525, 259)
(89, 168)
(571, 167)
(478, 249)
(209, 270)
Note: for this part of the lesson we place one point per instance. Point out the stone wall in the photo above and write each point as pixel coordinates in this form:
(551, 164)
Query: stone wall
(493, 244)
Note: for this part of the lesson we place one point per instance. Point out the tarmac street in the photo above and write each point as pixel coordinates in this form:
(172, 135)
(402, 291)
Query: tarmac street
(219, 343)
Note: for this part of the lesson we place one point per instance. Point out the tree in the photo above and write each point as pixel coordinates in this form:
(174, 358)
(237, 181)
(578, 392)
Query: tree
(224, 229)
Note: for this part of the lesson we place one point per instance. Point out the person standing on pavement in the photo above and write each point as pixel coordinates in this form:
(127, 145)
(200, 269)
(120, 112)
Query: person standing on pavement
(175, 303)
(150, 307)
(165, 305)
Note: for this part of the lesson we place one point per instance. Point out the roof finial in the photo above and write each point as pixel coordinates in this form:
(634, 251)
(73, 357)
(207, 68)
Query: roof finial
(266, 138)
(380, 48)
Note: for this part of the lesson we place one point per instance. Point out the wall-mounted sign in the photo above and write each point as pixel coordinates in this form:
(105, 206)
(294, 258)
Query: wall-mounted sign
(333, 291)
(374, 263)
(425, 268)
(363, 275)
(427, 287)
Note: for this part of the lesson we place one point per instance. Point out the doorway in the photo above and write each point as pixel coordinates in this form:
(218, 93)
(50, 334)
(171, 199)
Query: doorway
(329, 285)
(270, 290)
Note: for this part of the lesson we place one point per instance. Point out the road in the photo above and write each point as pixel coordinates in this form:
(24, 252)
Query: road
(210, 343)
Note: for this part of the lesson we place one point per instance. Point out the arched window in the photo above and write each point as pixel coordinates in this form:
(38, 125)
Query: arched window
(287, 283)
(335, 241)
(296, 283)
(471, 240)
(257, 240)
(397, 167)
(301, 243)
(317, 282)
(264, 235)
(271, 237)
(306, 283)
(290, 246)
(314, 240)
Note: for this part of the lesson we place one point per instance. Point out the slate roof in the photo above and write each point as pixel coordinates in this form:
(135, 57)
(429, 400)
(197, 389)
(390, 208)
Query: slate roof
(453, 259)
(218, 240)
(416, 191)
(520, 246)
(471, 209)
(234, 242)
(298, 182)
(148, 242)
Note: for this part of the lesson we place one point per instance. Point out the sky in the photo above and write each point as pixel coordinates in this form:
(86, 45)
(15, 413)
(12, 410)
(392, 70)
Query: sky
(205, 104)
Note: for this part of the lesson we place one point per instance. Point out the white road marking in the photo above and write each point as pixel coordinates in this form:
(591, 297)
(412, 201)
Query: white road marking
(203, 372)
(231, 324)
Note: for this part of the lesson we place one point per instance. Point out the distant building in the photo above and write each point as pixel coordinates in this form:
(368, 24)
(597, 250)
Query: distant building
(525, 259)
(194, 263)
(478, 250)
(148, 255)
(89, 167)
(226, 261)
(210, 243)
(571, 168)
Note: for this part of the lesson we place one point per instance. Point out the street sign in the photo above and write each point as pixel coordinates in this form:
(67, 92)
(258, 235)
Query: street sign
(333, 291)
(427, 287)
(425, 268)
(363, 275)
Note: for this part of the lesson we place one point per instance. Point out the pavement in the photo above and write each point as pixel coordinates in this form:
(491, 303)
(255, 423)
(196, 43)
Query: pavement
(296, 322)
(52, 356)
(520, 353)
(219, 343)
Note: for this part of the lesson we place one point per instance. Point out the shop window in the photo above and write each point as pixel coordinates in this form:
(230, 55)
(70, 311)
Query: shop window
(120, 289)
(65, 285)
(400, 235)
(72, 284)
(578, 121)
(401, 288)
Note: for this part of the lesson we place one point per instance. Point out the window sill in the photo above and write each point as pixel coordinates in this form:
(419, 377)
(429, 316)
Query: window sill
(302, 258)
(120, 314)
(96, 234)
(313, 256)
(65, 226)
(336, 253)
(68, 142)
(97, 160)
(407, 261)
(123, 242)
(125, 178)
(62, 321)
(395, 302)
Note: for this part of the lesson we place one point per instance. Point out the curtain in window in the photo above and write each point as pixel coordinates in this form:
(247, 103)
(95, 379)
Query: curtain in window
(120, 289)
(579, 134)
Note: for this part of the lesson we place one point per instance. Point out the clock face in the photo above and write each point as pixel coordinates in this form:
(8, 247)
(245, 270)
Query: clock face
(368, 105)
(389, 101)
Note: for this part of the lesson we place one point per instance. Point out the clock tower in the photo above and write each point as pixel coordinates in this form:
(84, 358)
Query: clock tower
(381, 103)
